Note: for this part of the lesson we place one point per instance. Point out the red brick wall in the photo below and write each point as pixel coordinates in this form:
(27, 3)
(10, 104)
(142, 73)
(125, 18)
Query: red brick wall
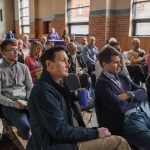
(97, 29)
(116, 25)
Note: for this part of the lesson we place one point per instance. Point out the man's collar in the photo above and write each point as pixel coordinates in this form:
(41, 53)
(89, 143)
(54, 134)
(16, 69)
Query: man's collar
(7, 64)
(110, 75)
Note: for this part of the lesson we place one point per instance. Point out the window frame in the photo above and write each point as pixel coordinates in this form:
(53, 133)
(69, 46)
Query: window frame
(71, 23)
(22, 16)
(139, 20)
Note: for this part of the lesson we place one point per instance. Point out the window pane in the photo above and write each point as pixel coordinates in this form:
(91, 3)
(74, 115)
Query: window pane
(25, 29)
(24, 12)
(143, 28)
(79, 29)
(142, 10)
(79, 14)
(25, 21)
(24, 3)
(76, 3)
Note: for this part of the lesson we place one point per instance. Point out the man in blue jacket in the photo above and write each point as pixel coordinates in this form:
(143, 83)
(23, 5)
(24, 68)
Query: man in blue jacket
(120, 104)
(55, 121)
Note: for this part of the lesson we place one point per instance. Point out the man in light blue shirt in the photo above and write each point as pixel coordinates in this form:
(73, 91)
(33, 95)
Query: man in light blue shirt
(90, 51)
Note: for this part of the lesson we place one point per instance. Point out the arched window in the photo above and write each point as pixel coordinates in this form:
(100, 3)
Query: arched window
(24, 16)
(78, 16)
(141, 17)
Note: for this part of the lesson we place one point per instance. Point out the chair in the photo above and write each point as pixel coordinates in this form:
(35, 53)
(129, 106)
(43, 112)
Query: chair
(136, 74)
(11, 132)
(72, 83)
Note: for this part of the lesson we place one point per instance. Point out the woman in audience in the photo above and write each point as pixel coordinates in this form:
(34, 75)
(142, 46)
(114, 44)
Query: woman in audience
(33, 60)
(52, 35)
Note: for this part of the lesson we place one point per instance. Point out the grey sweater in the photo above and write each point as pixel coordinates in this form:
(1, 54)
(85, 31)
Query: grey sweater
(15, 83)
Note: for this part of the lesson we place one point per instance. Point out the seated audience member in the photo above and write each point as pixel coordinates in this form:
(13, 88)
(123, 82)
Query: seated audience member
(43, 41)
(49, 44)
(52, 35)
(26, 43)
(56, 123)
(66, 40)
(136, 54)
(73, 39)
(121, 105)
(76, 61)
(123, 70)
(77, 64)
(90, 51)
(126, 58)
(84, 41)
(16, 85)
(33, 60)
(20, 51)
(10, 35)
(65, 32)
(116, 45)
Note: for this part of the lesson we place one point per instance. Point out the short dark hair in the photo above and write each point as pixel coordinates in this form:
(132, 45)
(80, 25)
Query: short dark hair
(5, 43)
(50, 54)
(106, 54)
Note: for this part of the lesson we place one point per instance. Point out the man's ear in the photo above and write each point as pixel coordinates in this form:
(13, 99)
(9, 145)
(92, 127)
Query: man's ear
(48, 63)
(104, 64)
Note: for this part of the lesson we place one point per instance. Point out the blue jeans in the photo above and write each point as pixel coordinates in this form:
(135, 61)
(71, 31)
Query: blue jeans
(19, 118)
(137, 130)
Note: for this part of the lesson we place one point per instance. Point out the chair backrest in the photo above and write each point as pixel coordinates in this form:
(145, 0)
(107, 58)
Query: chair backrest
(72, 82)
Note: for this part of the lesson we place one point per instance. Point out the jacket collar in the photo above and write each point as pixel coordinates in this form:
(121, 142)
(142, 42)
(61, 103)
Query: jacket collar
(46, 76)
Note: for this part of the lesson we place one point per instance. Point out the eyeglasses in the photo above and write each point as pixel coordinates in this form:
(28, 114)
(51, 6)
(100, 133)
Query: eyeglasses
(12, 50)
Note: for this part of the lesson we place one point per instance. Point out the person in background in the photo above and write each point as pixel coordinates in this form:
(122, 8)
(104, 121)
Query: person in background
(43, 41)
(10, 35)
(49, 45)
(65, 32)
(33, 60)
(20, 51)
(26, 43)
(76, 61)
(15, 88)
(56, 123)
(136, 54)
(66, 40)
(73, 39)
(52, 35)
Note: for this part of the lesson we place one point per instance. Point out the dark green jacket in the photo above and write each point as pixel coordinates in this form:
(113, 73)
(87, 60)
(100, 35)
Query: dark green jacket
(51, 118)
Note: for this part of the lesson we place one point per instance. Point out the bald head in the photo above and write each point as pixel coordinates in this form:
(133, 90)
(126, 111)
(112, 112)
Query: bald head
(91, 40)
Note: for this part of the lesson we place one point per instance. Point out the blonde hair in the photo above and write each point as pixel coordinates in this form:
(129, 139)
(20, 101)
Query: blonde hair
(33, 47)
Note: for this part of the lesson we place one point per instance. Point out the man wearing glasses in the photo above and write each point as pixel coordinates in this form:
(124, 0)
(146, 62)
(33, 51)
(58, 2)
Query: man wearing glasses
(15, 87)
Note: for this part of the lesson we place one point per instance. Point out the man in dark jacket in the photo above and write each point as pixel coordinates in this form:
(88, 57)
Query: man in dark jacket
(121, 105)
(55, 122)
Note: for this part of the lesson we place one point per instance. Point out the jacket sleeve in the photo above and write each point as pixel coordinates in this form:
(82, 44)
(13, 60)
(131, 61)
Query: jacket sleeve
(107, 97)
(138, 94)
(49, 107)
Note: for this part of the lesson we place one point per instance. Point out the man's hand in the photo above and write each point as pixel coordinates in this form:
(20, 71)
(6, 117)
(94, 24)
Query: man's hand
(103, 132)
(17, 105)
(123, 96)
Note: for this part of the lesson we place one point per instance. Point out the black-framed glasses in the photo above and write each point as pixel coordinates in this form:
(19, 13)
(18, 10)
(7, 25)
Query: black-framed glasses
(12, 50)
